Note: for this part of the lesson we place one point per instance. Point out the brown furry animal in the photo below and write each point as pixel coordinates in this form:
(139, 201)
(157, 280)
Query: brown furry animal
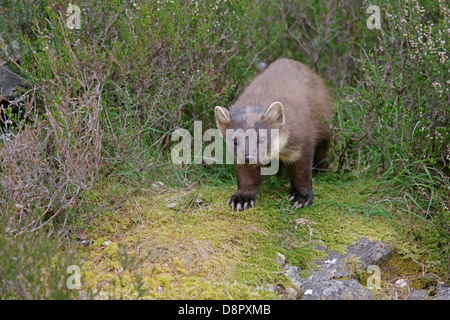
(292, 98)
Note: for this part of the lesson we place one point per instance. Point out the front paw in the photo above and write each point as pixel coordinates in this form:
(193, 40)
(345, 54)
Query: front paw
(241, 201)
(300, 199)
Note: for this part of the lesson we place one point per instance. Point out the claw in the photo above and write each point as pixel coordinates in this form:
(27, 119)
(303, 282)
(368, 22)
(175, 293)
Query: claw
(298, 205)
(240, 202)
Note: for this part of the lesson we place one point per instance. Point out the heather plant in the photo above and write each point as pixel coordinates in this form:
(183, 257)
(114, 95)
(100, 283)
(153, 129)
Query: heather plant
(52, 148)
(173, 62)
(397, 118)
(323, 34)
(109, 93)
(50, 151)
(32, 267)
(403, 100)
(391, 89)
(117, 87)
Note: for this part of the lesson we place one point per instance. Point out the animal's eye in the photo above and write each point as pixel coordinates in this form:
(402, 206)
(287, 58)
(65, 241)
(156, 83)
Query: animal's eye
(262, 139)
(235, 142)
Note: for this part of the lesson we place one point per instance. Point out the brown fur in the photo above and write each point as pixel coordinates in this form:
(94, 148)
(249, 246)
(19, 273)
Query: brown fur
(303, 118)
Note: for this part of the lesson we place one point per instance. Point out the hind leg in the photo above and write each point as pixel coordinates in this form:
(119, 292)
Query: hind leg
(320, 155)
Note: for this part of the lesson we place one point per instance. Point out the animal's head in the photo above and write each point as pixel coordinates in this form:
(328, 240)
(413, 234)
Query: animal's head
(252, 132)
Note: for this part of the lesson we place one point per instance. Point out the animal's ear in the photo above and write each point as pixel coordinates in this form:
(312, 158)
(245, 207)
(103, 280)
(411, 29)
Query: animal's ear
(222, 119)
(274, 115)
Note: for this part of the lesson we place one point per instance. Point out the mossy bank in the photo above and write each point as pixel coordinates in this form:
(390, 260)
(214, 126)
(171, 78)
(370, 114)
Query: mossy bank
(185, 243)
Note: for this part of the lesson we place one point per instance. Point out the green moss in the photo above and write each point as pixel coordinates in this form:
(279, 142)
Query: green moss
(401, 266)
(112, 251)
(188, 244)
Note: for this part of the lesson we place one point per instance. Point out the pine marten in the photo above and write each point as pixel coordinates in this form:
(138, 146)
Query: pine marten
(292, 98)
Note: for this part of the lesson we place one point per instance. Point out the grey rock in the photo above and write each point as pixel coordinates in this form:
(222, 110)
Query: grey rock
(268, 287)
(443, 293)
(335, 290)
(328, 270)
(9, 83)
(10, 50)
(368, 253)
(331, 280)
(281, 259)
(320, 245)
(419, 295)
(292, 273)
(291, 294)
